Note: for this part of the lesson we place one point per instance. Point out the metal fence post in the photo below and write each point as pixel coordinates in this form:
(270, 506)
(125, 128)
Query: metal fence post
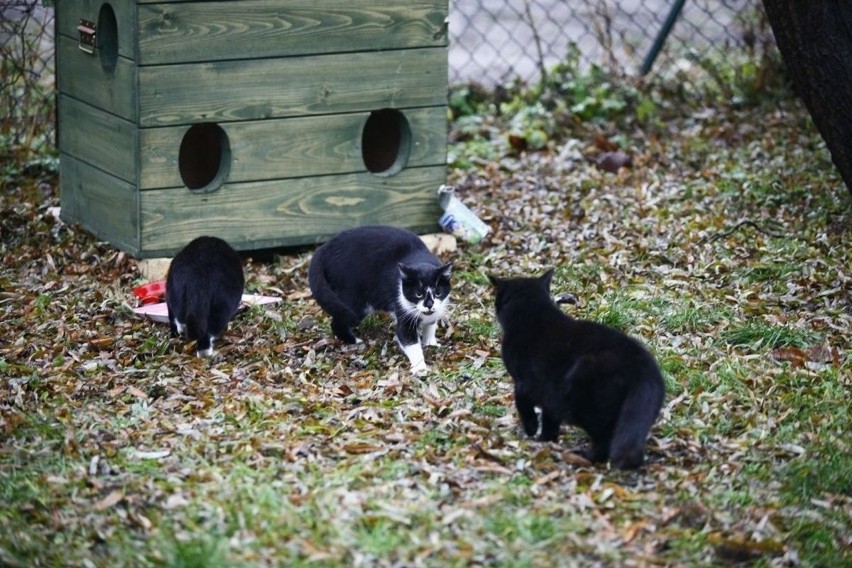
(660, 40)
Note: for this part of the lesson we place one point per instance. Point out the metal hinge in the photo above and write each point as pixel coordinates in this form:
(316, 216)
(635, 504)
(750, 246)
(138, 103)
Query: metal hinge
(86, 30)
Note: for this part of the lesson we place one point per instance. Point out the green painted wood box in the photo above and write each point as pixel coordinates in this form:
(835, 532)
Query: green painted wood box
(264, 122)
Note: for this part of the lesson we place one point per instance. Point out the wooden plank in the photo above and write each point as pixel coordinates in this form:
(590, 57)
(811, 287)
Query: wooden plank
(98, 138)
(275, 88)
(292, 147)
(82, 78)
(211, 31)
(289, 212)
(104, 205)
(68, 15)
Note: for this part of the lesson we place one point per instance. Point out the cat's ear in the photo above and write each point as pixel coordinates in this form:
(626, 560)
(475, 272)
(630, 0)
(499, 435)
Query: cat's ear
(495, 281)
(546, 278)
(447, 270)
(403, 270)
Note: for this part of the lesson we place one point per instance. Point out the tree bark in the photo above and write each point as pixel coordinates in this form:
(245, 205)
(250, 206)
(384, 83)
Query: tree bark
(815, 41)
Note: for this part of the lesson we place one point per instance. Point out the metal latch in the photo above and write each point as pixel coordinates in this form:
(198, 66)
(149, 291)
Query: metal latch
(86, 30)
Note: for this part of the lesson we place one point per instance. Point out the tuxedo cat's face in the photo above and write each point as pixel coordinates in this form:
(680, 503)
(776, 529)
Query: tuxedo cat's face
(424, 291)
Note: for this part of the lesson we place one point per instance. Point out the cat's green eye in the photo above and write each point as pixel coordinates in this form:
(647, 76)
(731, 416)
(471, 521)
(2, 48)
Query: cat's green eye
(418, 294)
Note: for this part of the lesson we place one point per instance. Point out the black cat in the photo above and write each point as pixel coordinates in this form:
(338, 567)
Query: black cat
(204, 286)
(577, 372)
(381, 268)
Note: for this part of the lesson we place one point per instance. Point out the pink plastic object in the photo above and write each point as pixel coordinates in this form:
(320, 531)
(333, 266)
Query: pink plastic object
(151, 292)
(159, 312)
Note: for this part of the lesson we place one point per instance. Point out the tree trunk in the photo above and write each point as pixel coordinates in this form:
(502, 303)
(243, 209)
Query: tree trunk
(815, 40)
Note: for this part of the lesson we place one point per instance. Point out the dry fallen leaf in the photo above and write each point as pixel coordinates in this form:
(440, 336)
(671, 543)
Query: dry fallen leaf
(110, 500)
(575, 459)
(299, 447)
(793, 355)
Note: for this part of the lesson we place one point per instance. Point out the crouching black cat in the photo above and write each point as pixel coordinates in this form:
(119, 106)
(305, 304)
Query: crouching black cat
(204, 286)
(576, 372)
(382, 268)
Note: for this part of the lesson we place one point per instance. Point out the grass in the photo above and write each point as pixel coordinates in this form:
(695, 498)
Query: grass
(758, 334)
(119, 448)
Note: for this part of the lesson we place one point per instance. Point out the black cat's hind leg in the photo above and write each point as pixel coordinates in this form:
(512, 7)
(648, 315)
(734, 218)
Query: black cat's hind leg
(342, 328)
(204, 346)
(549, 427)
(176, 328)
(217, 322)
(526, 411)
(596, 452)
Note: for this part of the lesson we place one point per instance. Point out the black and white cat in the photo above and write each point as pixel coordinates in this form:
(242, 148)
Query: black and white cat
(382, 268)
(576, 372)
(204, 286)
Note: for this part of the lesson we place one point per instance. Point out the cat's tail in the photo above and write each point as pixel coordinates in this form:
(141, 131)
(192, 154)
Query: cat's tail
(638, 412)
(343, 319)
(197, 302)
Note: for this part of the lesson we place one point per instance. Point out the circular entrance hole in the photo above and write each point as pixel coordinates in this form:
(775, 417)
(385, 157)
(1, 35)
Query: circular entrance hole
(205, 157)
(386, 142)
(107, 38)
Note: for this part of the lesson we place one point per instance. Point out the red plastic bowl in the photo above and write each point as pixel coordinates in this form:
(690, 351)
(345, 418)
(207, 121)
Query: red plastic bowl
(151, 292)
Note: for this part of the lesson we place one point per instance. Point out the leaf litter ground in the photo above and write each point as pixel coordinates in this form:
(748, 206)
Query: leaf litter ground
(725, 247)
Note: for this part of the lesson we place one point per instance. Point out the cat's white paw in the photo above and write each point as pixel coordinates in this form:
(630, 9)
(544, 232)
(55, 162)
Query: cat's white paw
(206, 352)
(414, 352)
(427, 337)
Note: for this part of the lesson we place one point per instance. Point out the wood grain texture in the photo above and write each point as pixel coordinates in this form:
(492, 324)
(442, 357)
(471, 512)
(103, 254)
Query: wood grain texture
(98, 138)
(69, 13)
(228, 91)
(292, 86)
(82, 78)
(290, 212)
(104, 205)
(292, 147)
(250, 29)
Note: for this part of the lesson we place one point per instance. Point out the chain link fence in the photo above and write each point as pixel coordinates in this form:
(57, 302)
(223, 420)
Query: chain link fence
(27, 102)
(491, 42)
(497, 41)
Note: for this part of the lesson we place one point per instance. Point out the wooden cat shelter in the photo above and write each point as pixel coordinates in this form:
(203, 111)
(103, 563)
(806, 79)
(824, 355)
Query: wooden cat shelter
(264, 122)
